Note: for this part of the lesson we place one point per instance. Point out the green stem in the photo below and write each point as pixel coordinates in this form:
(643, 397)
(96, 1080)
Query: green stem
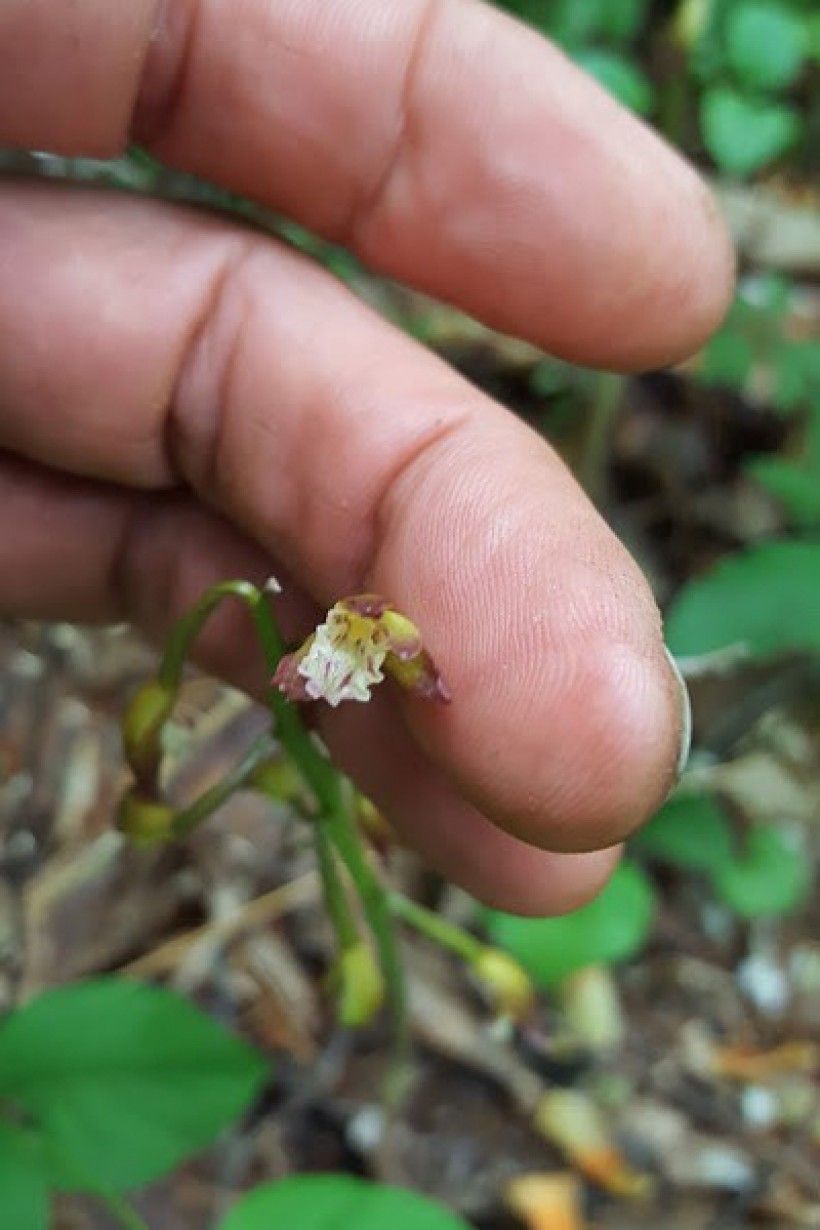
(325, 781)
(315, 767)
(192, 815)
(345, 836)
(125, 1213)
(435, 928)
(338, 906)
(187, 629)
(331, 790)
(606, 401)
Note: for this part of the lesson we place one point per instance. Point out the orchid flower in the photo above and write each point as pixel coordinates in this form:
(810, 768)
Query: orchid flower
(361, 639)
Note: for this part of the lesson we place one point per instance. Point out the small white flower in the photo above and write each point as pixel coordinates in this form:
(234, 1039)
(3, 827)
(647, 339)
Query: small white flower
(345, 658)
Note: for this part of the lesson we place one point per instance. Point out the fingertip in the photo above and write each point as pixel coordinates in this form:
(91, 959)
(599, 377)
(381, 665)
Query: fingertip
(691, 286)
(591, 751)
(659, 294)
(610, 752)
(542, 885)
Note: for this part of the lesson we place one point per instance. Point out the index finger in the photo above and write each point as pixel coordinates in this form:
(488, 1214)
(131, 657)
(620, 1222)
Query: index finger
(446, 144)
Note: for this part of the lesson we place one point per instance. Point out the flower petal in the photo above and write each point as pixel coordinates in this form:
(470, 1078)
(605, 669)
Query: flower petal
(287, 680)
(419, 676)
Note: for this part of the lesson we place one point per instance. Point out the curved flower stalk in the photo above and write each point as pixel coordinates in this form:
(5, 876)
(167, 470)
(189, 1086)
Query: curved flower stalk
(362, 640)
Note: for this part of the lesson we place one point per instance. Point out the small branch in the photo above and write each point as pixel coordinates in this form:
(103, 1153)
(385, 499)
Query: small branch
(186, 629)
(346, 838)
(338, 906)
(256, 913)
(192, 815)
(435, 928)
(606, 401)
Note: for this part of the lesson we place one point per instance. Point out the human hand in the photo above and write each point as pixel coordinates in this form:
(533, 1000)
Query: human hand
(183, 401)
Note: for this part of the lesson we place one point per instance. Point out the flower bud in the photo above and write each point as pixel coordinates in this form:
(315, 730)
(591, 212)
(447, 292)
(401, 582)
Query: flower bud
(145, 821)
(281, 781)
(360, 985)
(142, 725)
(505, 982)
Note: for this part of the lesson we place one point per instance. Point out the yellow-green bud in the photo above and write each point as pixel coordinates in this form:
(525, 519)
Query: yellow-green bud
(142, 724)
(145, 821)
(281, 780)
(505, 982)
(360, 986)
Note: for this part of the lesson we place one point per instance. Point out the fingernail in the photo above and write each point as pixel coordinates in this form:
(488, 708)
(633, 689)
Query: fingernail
(685, 715)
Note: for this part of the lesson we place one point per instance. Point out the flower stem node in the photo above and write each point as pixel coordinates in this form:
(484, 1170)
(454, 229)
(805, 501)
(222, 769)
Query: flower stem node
(142, 725)
(360, 985)
(145, 821)
(505, 982)
(362, 639)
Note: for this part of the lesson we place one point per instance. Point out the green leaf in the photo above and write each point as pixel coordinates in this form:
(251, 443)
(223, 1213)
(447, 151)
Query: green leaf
(618, 75)
(23, 1181)
(766, 598)
(813, 36)
(611, 928)
(689, 831)
(727, 359)
(337, 1202)
(573, 24)
(771, 876)
(123, 1080)
(744, 134)
(766, 44)
(538, 13)
(767, 295)
(797, 489)
(798, 376)
(622, 20)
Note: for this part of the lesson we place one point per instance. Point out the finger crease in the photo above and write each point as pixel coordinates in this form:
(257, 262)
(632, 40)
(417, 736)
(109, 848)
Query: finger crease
(195, 461)
(120, 580)
(165, 72)
(367, 201)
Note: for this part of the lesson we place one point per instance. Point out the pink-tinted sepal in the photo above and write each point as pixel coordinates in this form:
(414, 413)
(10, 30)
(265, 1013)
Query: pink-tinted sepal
(419, 676)
(287, 680)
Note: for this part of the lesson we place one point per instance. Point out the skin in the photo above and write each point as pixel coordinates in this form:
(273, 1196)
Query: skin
(181, 401)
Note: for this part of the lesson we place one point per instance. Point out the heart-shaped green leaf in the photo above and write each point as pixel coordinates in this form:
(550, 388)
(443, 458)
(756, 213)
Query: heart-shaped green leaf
(689, 831)
(766, 43)
(611, 928)
(796, 487)
(766, 599)
(770, 877)
(123, 1080)
(744, 134)
(337, 1202)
